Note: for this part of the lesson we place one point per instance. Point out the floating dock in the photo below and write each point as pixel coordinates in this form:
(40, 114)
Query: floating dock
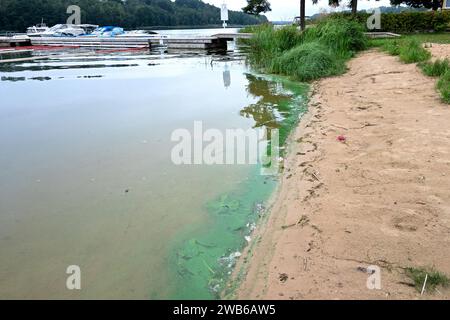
(14, 41)
(203, 43)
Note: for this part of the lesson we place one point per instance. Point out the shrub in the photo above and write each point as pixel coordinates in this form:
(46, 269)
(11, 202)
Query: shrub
(406, 22)
(436, 68)
(443, 86)
(412, 51)
(308, 61)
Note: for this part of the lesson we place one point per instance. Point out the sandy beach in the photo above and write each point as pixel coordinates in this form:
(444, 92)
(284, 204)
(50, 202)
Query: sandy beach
(366, 183)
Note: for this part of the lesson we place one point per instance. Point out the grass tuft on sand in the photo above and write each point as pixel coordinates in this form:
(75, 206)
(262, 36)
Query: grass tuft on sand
(436, 68)
(435, 278)
(443, 86)
(411, 51)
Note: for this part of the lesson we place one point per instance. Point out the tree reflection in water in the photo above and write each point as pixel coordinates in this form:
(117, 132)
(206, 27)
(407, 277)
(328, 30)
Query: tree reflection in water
(275, 104)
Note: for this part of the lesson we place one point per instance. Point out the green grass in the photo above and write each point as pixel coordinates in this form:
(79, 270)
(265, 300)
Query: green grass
(431, 37)
(268, 44)
(411, 51)
(435, 278)
(423, 38)
(443, 86)
(392, 47)
(317, 52)
(436, 68)
(308, 61)
(341, 36)
(249, 29)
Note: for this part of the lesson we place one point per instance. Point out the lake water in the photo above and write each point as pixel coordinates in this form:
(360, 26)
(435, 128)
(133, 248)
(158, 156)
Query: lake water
(86, 176)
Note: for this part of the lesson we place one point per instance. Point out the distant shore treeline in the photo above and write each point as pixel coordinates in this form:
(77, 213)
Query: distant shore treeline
(17, 15)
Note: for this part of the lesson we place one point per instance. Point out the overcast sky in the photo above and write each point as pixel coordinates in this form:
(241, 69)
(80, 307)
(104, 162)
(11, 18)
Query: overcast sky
(288, 9)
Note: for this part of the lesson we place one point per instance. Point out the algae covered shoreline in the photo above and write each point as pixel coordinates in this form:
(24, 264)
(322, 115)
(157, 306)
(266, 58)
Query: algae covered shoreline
(204, 264)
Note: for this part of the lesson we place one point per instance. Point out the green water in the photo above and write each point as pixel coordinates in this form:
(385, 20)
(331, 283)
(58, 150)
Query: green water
(207, 260)
(86, 176)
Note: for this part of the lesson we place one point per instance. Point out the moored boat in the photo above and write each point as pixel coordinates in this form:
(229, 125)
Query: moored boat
(61, 30)
(37, 29)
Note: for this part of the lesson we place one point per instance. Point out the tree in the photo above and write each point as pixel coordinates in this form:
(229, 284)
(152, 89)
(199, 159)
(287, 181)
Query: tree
(302, 15)
(335, 3)
(17, 15)
(257, 6)
(429, 4)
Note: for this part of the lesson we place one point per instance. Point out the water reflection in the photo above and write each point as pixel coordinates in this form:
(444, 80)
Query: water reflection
(272, 103)
(9, 67)
(278, 106)
(226, 77)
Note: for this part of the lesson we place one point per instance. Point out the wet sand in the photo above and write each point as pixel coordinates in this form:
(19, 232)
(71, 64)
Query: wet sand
(366, 182)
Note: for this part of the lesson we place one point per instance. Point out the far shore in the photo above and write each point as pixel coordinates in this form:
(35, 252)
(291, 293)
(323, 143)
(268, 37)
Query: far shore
(365, 185)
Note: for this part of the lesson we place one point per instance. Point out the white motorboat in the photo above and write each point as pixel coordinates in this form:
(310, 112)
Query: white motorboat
(64, 30)
(37, 30)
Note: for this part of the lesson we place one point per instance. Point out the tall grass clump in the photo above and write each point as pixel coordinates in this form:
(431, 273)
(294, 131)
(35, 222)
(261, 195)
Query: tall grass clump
(268, 44)
(343, 37)
(317, 52)
(436, 68)
(411, 51)
(308, 61)
(434, 278)
(443, 86)
(392, 47)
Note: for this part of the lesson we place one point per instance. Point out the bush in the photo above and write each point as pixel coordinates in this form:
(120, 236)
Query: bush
(436, 68)
(308, 61)
(412, 51)
(443, 86)
(405, 22)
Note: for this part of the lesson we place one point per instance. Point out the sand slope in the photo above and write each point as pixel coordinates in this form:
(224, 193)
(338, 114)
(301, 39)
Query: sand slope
(382, 197)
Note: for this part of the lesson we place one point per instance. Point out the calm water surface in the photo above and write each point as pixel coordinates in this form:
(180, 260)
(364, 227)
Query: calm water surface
(86, 177)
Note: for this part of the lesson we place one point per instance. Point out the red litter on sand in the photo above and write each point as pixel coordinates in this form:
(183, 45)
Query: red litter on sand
(341, 138)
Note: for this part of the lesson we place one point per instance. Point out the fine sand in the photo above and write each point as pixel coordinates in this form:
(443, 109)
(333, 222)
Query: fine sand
(441, 51)
(379, 195)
